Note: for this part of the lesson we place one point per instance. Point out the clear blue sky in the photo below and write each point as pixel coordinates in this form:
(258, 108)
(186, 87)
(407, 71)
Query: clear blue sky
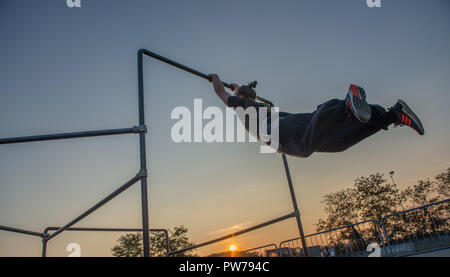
(74, 69)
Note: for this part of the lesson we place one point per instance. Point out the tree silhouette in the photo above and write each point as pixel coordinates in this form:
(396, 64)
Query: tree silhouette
(369, 198)
(372, 198)
(130, 244)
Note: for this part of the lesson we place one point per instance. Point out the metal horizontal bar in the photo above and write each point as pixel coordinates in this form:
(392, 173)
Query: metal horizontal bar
(281, 218)
(90, 229)
(177, 65)
(191, 70)
(21, 231)
(265, 100)
(87, 229)
(96, 133)
(98, 205)
(417, 208)
(261, 247)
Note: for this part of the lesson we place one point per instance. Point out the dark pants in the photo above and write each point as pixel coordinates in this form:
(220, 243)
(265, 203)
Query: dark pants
(330, 128)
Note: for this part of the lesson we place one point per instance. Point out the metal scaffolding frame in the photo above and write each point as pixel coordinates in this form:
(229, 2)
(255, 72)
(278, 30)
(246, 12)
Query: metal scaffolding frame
(141, 176)
(45, 236)
(86, 229)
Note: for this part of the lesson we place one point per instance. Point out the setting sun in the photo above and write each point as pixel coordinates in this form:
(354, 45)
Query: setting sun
(233, 247)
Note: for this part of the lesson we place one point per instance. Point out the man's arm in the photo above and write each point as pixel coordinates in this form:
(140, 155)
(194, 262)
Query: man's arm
(220, 89)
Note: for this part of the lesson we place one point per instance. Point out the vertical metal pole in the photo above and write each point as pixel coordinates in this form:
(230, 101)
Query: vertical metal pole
(44, 244)
(166, 233)
(143, 158)
(294, 203)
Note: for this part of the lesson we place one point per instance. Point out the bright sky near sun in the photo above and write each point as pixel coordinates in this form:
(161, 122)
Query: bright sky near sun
(73, 69)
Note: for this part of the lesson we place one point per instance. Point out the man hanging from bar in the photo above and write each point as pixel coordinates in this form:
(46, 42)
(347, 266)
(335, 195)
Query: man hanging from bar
(334, 126)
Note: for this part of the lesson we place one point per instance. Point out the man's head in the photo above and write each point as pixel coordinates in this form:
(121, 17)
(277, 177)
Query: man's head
(247, 91)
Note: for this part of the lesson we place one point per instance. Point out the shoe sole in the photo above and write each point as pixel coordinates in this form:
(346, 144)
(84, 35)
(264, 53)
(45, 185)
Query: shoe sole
(407, 110)
(359, 106)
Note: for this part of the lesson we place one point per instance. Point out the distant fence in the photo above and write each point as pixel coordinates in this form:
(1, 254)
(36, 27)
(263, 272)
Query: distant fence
(414, 231)
(418, 230)
(346, 241)
(270, 250)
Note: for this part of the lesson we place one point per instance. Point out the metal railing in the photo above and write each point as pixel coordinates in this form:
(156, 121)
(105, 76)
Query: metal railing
(415, 231)
(87, 229)
(264, 224)
(345, 241)
(269, 250)
(141, 176)
(418, 229)
(296, 212)
(45, 236)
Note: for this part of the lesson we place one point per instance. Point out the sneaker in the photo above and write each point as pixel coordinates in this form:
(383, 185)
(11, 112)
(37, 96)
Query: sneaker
(355, 101)
(405, 116)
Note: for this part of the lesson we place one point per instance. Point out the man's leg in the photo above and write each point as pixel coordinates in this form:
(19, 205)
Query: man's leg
(303, 134)
(328, 120)
(357, 131)
(337, 124)
(331, 128)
